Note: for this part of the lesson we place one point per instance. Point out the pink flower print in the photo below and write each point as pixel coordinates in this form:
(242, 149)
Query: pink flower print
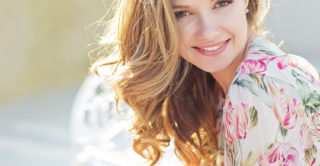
(302, 63)
(280, 154)
(316, 121)
(268, 58)
(257, 53)
(306, 137)
(251, 66)
(313, 162)
(284, 61)
(242, 120)
(286, 111)
(228, 160)
(236, 121)
(286, 108)
(229, 121)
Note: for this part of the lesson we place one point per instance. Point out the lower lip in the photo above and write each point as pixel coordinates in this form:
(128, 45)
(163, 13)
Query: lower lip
(214, 52)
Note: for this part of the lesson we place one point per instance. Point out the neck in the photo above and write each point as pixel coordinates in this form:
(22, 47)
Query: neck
(225, 77)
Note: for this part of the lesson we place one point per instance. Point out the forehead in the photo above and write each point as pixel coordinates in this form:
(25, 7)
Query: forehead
(190, 1)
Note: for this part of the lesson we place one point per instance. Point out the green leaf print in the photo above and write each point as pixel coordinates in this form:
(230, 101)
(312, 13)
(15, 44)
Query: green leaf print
(303, 87)
(255, 77)
(251, 84)
(232, 149)
(247, 84)
(263, 85)
(310, 99)
(309, 154)
(268, 52)
(253, 113)
(301, 76)
(283, 130)
(302, 82)
(295, 74)
(312, 103)
(270, 146)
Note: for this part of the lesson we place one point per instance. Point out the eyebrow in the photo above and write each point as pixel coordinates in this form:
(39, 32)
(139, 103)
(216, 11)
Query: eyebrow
(186, 6)
(180, 6)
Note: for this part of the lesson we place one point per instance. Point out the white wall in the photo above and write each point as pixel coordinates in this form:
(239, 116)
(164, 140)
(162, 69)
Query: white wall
(297, 23)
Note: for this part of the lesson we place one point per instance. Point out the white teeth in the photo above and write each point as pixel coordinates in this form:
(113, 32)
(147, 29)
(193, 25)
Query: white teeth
(211, 48)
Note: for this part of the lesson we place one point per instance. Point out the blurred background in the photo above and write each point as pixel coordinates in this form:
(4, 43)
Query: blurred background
(44, 46)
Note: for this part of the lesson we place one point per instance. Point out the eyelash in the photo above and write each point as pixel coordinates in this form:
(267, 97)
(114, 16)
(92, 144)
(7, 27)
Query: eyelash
(224, 3)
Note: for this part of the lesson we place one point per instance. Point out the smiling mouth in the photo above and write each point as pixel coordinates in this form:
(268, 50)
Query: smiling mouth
(214, 50)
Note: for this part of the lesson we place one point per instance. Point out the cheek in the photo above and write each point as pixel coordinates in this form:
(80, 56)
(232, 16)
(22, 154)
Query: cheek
(241, 32)
(237, 21)
(237, 27)
(184, 34)
(234, 17)
(184, 31)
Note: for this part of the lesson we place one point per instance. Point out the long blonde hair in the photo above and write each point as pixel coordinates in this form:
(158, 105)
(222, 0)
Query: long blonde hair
(170, 97)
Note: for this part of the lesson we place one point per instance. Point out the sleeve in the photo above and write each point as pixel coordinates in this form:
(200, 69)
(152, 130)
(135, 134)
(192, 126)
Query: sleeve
(273, 117)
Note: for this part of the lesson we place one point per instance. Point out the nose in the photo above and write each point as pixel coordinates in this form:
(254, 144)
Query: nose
(208, 29)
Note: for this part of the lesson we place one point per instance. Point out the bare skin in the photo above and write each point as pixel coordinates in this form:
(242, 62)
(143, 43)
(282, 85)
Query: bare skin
(225, 77)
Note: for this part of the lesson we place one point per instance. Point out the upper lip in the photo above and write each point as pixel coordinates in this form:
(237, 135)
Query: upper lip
(212, 45)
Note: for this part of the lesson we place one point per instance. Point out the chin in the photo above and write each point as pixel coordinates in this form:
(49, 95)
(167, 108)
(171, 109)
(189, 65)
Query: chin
(210, 69)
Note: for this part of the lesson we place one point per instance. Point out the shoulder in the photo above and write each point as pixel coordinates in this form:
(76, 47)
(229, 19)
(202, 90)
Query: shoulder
(274, 103)
(289, 64)
(264, 60)
(267, 70)
(273, 57)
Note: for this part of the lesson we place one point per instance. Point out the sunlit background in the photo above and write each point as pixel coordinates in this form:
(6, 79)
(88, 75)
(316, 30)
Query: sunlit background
(44, 58)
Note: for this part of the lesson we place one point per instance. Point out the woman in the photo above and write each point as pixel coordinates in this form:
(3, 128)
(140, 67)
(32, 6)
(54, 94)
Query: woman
(200, 73)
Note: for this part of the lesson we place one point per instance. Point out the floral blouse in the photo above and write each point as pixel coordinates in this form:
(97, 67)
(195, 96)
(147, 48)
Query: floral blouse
(271, 112)
(270, 116)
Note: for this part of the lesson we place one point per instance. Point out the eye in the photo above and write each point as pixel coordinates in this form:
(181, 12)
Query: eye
(180, 14)
(222, 3)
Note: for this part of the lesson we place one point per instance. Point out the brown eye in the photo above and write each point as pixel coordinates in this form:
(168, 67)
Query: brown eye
(180, 14)
(223, 3)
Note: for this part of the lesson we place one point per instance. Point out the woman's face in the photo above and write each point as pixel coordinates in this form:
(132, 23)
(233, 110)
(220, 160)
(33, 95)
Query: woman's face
(212, 33)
